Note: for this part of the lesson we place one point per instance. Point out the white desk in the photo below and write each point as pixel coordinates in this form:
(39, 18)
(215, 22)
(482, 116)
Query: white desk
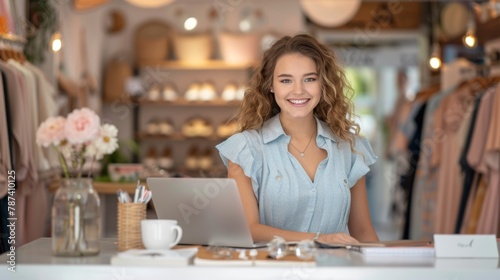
(34, 261)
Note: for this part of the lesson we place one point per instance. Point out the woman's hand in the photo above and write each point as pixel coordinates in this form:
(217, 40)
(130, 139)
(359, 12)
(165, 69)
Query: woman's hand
(337, 238)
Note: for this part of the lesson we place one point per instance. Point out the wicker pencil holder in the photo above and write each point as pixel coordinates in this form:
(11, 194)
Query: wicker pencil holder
(130, 216)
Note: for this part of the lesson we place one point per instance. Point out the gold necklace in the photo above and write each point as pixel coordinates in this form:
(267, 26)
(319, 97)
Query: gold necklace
(302, 152)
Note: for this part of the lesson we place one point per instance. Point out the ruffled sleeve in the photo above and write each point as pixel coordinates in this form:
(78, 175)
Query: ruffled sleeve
(240, 148)
(362, 158)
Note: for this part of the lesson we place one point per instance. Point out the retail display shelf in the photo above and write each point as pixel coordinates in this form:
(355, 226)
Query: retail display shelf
(488, 30)
(13, 38)
(188, 103)
(102, 187)
(205, 65)
(213, 172)
(174, 137)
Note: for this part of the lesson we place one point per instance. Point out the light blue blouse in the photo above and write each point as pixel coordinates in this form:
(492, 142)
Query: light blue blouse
(286, 196)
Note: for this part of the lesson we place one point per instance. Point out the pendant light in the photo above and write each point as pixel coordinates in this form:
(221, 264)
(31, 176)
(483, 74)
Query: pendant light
(149, 4)
(56, 42)
(435, 59)
(470, 39)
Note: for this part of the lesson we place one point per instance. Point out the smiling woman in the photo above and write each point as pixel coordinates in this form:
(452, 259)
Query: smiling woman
(290, 185)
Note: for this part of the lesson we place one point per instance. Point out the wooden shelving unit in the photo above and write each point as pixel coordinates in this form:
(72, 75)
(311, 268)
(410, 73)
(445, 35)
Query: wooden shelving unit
(175, 137)
(187, 103)
(489, 30)
(484, 32)
(13, 38)
(208, 65)
(102, 187)
(218, 111)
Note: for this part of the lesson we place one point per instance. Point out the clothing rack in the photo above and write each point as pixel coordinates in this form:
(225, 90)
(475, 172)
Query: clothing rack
(13, 39)
(12, 46)
(17, 42)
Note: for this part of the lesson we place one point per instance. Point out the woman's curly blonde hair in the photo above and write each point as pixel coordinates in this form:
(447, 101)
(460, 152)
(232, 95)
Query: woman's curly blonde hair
(334, 107)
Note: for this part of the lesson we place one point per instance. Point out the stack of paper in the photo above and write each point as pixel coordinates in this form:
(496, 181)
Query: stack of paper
(178, 257)
(397, 251)
(388, 248)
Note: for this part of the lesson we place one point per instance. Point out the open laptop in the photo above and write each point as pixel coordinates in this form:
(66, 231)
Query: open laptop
(208, 210)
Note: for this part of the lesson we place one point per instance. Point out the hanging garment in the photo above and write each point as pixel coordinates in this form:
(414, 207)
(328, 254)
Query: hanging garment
(478, 142)
(425, 184)
(408, 179)
(30, 82)
(470, 203)
(5, 158)
(467, 170)
(21, 117)
(47, 107)
(475, 159)
(454, 121)
(5, 162)
(22, 148)
(477, 205)
(488, 222)
(31, 196)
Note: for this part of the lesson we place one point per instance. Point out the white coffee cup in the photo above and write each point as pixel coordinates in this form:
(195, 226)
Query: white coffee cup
(160, 234)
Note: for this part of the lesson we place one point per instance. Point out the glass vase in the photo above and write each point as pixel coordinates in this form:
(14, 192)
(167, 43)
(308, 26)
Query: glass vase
(76, 219)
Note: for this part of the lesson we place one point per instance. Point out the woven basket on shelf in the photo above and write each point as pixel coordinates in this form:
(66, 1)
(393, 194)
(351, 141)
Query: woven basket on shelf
(193, 48)
(239, 48)
(152, 42)
(130, 216)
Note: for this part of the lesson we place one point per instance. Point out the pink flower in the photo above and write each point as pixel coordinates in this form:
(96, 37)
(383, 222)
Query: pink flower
(82, 125)
(51, 131)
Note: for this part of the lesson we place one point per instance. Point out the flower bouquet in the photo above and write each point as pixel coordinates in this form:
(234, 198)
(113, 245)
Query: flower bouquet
(78, 138)
(76, 221)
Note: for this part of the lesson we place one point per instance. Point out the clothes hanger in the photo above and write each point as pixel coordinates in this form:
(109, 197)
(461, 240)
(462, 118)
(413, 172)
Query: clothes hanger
(493, 80)
(3, 53)
(23, 58)
(3, 56)
(483, 82)
(427, 92)
(9, 50)
(15, 55)
(478, 83)
(18, 56)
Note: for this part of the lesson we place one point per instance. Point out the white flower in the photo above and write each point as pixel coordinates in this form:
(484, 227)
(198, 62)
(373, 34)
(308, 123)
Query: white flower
(65, 148)
(92, 152)
(107, 142)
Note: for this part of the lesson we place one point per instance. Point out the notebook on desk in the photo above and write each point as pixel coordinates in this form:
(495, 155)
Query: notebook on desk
(387, 248)
(208, 210)
(379, 244)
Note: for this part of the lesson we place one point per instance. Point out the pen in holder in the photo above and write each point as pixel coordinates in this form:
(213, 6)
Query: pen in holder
(130, 216)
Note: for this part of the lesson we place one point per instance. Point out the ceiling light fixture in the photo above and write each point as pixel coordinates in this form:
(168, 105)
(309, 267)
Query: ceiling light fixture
(149, 4)
(470, 39)
(435, 59)
(56, 42)
(190, 23)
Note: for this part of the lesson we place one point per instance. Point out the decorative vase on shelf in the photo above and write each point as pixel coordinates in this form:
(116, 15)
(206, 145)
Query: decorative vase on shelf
(76, 219)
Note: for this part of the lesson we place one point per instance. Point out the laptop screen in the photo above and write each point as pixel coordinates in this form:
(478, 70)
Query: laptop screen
(208, 210)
